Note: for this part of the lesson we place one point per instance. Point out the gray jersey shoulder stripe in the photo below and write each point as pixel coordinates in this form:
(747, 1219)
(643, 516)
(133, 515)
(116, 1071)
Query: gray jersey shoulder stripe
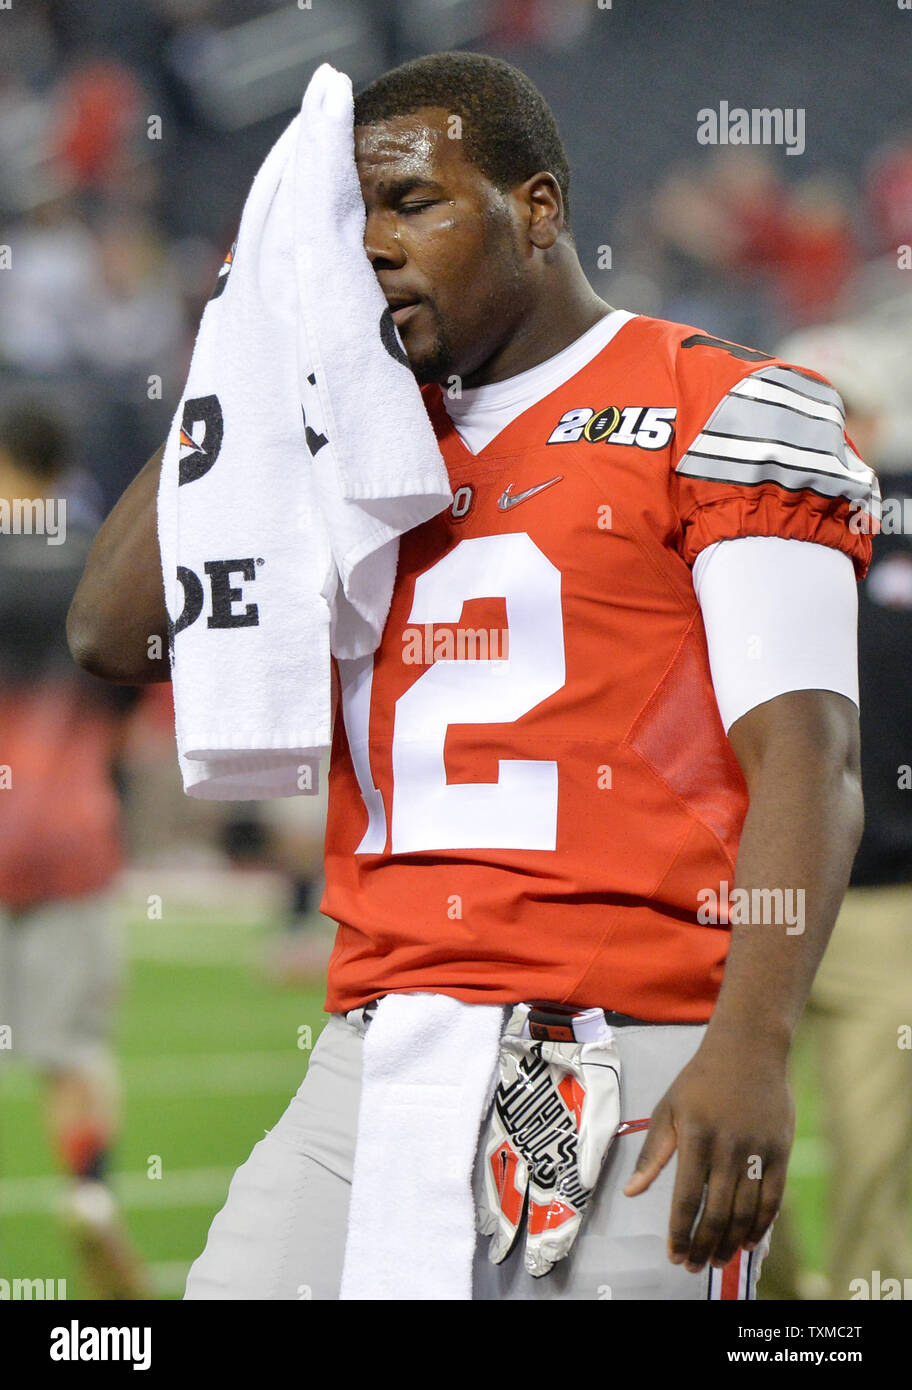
(797, 442)
(861, 467)
(770, 451)
(752, 465)
(791, 479)
(801, 385)
(744, 418)
(784, 396)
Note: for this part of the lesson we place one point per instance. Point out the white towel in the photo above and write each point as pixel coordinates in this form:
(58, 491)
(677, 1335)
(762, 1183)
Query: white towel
(303, 451)
(430, 1067)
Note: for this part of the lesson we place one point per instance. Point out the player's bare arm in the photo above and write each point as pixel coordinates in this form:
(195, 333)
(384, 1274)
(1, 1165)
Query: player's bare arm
(730, 1114)
(119, 608)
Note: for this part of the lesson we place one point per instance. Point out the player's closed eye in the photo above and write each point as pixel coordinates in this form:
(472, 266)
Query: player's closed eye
(408, 208)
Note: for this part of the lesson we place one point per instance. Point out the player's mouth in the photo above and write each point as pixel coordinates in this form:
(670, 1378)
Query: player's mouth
(403, 310)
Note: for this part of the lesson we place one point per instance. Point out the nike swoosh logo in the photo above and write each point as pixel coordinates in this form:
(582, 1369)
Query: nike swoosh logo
(506, 500)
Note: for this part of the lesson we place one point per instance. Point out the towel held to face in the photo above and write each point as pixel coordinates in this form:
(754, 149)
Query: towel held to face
(299, 454)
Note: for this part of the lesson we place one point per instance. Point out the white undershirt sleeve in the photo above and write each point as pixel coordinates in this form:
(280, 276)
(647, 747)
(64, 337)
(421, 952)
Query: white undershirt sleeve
(779, 615)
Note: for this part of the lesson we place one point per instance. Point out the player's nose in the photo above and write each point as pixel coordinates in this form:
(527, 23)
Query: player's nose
(381, 242)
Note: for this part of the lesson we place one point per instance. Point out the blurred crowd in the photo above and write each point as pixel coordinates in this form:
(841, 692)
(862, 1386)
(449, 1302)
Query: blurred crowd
(103, 293)
(729, 243)
(123, 168)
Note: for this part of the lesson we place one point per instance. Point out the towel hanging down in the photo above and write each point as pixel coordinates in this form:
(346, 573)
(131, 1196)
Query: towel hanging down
(299, 454)
(430, 1068)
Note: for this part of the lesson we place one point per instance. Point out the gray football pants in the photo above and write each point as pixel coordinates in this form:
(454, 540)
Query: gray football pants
(281, 1233)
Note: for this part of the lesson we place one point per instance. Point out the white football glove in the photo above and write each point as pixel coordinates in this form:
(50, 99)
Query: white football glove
(555, 1113)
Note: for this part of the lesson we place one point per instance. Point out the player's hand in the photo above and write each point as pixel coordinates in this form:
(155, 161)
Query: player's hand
(731, 1118)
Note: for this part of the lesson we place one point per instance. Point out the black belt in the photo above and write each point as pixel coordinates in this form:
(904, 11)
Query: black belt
(554, 1022)
(555, 1018)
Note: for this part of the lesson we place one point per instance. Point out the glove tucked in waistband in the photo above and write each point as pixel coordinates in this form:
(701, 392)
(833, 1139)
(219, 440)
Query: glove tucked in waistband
(555, 1112)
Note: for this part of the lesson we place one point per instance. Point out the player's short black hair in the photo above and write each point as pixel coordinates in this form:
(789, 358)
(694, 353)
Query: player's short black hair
(509, 131)
(34, 436)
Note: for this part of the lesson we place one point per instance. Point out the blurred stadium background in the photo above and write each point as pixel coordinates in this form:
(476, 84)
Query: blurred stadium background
(118, 222)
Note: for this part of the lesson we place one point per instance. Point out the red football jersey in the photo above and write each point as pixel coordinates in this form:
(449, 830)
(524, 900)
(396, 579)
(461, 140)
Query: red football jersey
(531, 782)
(60, 832)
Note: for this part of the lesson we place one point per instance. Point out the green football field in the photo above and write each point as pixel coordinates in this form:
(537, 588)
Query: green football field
(210, 1056)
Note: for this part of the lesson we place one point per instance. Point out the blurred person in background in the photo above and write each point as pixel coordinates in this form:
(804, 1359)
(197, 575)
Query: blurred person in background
(861, 999)
(741, 251)
(60, 845)
(888, 181)
(97, 302)
(43, 304)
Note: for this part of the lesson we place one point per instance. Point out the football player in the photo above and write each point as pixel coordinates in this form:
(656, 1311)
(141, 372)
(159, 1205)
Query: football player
(606, 754)
(60, 846)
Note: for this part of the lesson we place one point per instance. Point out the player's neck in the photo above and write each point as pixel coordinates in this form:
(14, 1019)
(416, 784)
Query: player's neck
(567, 311)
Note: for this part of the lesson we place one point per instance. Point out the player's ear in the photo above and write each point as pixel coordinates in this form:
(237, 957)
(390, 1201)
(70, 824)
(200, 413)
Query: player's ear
(544, 208)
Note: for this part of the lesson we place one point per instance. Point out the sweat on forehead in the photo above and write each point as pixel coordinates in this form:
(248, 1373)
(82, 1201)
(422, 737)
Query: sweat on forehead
(414, 145)
(492, 117)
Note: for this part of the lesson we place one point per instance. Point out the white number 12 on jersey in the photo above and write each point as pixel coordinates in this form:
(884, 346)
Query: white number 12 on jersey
(519, 810)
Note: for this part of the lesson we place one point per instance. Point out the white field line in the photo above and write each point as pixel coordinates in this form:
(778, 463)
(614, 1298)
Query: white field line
(193, 1074)
(184, 1187)
(208, 1187)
